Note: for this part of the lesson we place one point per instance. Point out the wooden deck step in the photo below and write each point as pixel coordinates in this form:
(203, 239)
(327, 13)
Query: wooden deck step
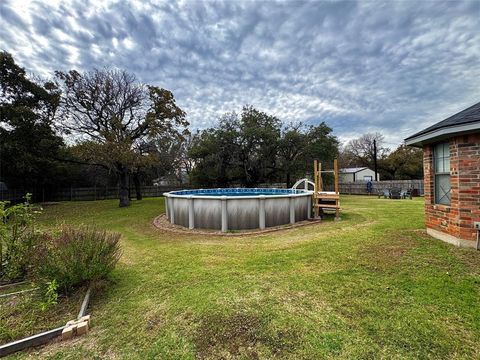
(327, 196)
(327, 206)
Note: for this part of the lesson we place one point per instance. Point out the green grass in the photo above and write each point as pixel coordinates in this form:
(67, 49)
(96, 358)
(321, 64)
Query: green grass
(373, 285)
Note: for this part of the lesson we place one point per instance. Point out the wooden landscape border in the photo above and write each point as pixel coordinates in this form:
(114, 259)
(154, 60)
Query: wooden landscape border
(44, 337)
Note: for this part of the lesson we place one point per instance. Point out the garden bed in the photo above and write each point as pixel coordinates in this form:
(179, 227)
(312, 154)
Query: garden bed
(21, 315)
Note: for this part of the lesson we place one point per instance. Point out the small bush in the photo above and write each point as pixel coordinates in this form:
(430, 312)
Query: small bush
(17, 238)
(50, 295)
(74, 257)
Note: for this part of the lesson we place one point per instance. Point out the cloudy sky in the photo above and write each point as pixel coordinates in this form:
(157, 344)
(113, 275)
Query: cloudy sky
(393, 67)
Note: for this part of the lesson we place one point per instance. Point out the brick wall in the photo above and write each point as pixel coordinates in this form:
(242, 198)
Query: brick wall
(456, 219)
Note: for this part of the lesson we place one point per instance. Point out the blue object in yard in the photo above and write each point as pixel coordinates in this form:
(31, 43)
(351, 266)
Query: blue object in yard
(369, 187)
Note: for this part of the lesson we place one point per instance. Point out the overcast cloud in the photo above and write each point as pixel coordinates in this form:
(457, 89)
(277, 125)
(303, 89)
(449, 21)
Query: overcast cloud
(393, 67)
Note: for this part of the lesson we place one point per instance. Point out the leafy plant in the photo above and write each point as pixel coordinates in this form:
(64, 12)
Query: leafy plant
(76, 256)
(51, 295)
(17, 238)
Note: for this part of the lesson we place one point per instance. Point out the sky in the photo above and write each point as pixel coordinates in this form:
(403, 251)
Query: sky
(394, 67)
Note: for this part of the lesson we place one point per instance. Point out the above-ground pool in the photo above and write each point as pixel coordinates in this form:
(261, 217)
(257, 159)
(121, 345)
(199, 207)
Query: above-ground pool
(237, 208)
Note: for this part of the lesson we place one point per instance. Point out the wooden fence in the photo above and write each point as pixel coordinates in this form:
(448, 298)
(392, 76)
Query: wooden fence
(109, 192)
(82, 193)
(360, 187)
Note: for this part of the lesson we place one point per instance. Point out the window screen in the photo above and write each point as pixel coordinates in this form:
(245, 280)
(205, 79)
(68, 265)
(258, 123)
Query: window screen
(441, 154)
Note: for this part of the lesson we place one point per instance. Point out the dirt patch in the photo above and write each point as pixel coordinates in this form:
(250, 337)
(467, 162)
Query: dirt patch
(161, 222)
(240, 335)
(154, 321)
(385, 255)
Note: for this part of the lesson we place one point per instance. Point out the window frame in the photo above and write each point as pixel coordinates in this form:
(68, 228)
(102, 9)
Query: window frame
(441, 174)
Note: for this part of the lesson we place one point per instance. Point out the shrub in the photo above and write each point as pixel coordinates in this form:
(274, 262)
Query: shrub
(74, 257)
(17, 238)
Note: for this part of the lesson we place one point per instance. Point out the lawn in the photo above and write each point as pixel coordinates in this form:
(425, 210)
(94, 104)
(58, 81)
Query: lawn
(373, 285)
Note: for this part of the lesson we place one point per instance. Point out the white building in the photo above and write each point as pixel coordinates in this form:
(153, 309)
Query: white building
(357, 174)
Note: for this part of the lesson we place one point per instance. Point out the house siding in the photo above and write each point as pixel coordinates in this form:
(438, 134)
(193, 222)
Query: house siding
(346, 177)
(358, 176)
(366, 172)
(457, 219)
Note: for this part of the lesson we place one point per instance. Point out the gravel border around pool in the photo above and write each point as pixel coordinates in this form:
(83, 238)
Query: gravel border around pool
(161, 223)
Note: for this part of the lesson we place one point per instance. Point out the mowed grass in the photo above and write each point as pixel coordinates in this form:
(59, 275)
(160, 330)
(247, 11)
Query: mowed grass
(373, 285)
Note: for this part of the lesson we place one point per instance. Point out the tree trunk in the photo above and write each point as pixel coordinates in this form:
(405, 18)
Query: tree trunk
(288, 180)
(124, 186)
(138, 189)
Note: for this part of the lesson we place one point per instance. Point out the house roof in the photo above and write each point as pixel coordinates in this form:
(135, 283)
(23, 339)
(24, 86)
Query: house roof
(464, 122)
(352, 170)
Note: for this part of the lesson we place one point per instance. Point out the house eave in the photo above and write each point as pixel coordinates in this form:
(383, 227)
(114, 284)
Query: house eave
(442, 134)
(353, 172)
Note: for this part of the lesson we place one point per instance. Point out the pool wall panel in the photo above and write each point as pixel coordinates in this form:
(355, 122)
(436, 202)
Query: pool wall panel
(242, 213)
(208, 213)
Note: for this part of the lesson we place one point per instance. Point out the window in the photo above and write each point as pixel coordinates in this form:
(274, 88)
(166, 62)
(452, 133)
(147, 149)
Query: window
(441, 160)
(368, 178)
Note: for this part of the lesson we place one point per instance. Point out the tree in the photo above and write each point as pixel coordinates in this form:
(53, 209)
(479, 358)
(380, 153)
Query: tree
(241, 148)
(291, 151)
(258, 142)
(112, 114)
(215, 154)
(172, 157)
(362, 149)
(405, 163)
(322, 145)
(300, 145)
(255, 147)
(360, 152)
(27, 110)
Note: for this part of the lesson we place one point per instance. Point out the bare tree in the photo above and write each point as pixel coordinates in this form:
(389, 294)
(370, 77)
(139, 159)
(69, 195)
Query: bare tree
(112, 114)
(360, 152)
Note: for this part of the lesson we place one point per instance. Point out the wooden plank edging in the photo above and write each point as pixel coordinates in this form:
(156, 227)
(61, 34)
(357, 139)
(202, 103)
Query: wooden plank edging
(12, 284)
(19, 292)
(44, 337)
(35, 340)
(86, 300)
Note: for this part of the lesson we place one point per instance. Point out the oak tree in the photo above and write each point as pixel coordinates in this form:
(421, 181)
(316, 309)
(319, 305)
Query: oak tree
(111, 114)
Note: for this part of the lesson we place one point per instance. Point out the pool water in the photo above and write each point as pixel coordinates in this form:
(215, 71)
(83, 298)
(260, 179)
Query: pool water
(237, 192)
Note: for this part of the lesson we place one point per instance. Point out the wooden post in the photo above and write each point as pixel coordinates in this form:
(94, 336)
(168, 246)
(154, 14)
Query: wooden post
(320, 183)
(315, 190)
(337, 201)
(335, 174)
